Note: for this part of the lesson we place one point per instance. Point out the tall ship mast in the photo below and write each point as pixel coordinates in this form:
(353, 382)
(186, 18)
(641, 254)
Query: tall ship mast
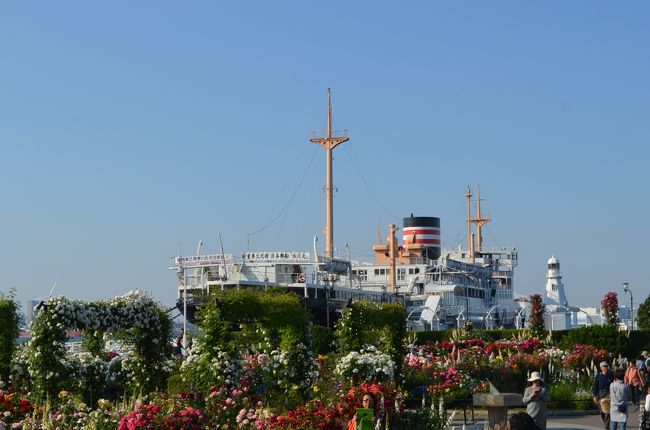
(329, 143)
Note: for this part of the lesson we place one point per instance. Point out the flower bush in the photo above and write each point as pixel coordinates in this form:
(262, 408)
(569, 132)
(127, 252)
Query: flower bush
(364, 323)
(367, 365)
(14, 407)
(135, 319)
(226, 404)
(313, 415)
(444, 382)
(536, 320)
(293, 370)
(207, 370)
(104, 417)
(584, 357)
(254, 370)
(609, 308)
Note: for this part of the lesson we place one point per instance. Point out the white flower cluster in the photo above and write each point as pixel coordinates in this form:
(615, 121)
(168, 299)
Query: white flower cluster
(369, 364)
(134, 309)
(48, 361)
(223, 368)
(89, 363)
(295, 369)
(114, 371)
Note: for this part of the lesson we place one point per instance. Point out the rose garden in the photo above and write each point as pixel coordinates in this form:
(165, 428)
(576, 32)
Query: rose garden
(258, 362)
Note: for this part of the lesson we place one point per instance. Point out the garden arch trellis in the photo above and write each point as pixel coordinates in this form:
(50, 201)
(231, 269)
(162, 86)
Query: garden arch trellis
(135, 319)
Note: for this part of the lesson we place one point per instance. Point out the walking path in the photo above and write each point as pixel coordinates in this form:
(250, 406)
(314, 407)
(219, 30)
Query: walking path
(564, 420)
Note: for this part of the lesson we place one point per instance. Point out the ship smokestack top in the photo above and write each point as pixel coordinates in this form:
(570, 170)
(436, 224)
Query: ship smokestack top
(427, 233)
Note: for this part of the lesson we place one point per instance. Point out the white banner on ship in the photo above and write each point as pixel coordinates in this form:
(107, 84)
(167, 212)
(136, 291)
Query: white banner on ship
(278, 256)
(204, 260)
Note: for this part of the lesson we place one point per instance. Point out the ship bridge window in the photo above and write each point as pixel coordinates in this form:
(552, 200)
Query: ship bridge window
(362, 275)
(401, 274)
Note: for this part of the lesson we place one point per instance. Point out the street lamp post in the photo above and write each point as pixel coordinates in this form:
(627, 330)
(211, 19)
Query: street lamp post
(626, 288)
(518, 318)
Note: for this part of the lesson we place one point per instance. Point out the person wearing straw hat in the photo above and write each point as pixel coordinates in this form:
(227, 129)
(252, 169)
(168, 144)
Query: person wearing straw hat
(600, 392)
(535, 398)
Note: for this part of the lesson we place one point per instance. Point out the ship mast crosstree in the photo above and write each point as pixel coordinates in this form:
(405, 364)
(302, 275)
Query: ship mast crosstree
(329, 143)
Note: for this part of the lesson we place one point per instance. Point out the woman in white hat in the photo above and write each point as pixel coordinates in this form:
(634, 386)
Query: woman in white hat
(535, 398)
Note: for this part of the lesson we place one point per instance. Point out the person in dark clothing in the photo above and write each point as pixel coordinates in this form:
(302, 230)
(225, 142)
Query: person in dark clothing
(600, 392)
(521, 421)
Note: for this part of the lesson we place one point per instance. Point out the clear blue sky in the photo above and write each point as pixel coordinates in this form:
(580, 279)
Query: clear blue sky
(127, 128)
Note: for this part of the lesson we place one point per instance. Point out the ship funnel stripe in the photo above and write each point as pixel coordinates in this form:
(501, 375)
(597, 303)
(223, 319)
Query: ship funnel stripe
(421, 237)
(428, 241)
(420, 230)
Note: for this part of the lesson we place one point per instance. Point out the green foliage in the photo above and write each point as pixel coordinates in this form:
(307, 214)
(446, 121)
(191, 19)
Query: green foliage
(235, 322)
(606, 337)
(421, 419)
(424, 337)
(322, 340)
(93, 342)
(562, 391)
(565, 395)
(176, 384)
(234, 319)
(639, 341)
(9, 325)
(367, 323)
(494, 335)
(643, 315)
(432, 336)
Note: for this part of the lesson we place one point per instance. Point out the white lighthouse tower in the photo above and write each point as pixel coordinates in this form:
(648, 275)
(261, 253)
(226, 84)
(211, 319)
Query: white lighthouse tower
(558, 313)
(554, 286)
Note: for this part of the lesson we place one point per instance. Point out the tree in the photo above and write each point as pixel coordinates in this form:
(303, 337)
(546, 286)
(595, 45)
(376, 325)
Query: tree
(643, 315)
(536, 320)
(9, 322)
(609, 308)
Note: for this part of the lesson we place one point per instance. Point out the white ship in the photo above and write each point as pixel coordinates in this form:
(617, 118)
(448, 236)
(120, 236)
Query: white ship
(441, 289)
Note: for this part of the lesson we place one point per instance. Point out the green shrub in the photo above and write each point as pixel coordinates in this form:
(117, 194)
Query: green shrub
(9, 322)
(322, 340)
(639, 341)
(421, 419)
(561, 391)
(175, 384)
(583, 399)
(608, 338)
(562, 394)
(425, 337)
